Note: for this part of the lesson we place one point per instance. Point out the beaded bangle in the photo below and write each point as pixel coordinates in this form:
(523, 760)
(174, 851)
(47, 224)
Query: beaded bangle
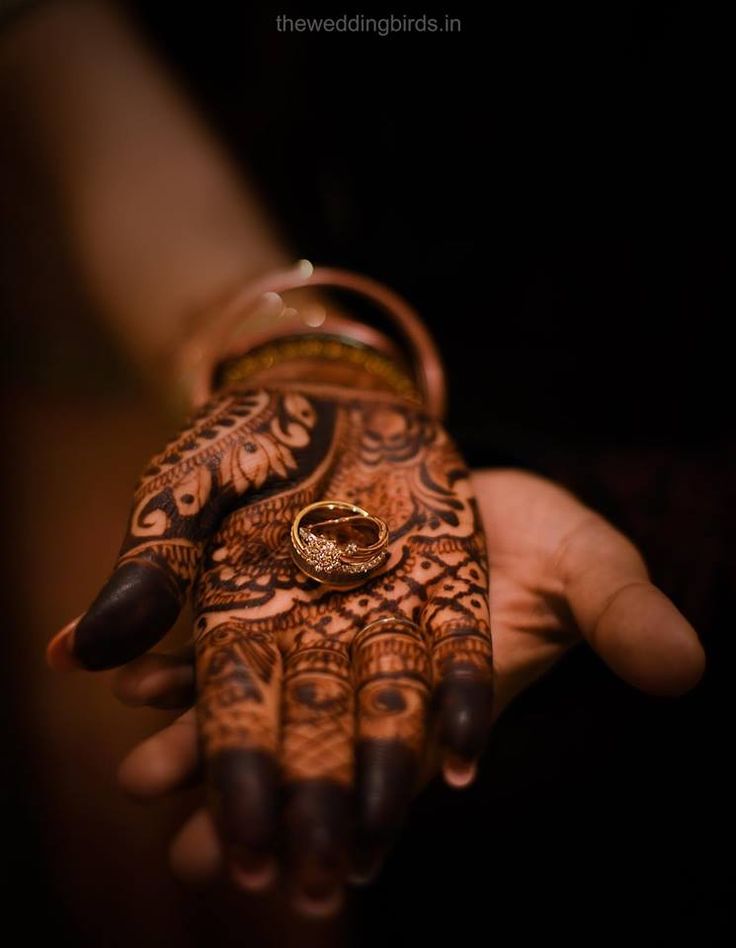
(330, 348)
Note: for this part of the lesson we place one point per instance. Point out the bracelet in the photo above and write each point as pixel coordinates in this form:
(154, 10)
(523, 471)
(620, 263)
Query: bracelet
(199, 360)
(330, 348)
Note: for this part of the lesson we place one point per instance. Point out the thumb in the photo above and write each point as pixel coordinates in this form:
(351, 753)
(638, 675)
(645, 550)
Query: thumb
(637, 631)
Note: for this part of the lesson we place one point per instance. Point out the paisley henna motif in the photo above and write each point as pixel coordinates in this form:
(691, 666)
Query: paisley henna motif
(240, 447)
(343, 710)
(286, 693)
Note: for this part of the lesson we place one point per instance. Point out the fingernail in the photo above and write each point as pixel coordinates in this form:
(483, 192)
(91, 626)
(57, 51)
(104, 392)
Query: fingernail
(323, 907)
(362, 877)
(459, 773)
(366, 864)
(253, 872)
(59, 651)
(152, 686)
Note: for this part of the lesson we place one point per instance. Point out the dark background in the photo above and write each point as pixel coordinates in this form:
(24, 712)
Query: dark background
(549, 188)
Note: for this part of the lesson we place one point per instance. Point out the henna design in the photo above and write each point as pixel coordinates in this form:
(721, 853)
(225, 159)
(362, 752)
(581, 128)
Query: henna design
(317, 716)
(289, 691)
(238, 689)
(337, 686)
(239, 447)
(236, 448)
(393, 676)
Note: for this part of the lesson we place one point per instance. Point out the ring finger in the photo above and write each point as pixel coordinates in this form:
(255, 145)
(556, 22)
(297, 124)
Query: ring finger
(317, 765)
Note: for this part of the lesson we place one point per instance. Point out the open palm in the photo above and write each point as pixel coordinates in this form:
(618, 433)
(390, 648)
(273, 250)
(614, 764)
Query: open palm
(559, 574)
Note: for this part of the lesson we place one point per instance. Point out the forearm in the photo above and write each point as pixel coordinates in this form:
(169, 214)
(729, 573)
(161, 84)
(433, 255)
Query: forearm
(161, 226)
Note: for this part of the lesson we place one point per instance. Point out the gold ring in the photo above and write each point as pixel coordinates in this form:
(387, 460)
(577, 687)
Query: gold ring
(338, 543)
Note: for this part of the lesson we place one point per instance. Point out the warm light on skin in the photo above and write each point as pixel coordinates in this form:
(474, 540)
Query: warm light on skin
(157, 243)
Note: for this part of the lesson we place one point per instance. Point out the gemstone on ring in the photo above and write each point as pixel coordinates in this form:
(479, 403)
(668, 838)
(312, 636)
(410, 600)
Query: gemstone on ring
(338, 543)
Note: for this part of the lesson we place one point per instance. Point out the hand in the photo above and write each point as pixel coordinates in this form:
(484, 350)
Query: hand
(559, 573)
(286, 686)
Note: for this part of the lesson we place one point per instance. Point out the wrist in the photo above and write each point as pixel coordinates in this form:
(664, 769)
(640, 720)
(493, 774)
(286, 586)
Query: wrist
(265, 311)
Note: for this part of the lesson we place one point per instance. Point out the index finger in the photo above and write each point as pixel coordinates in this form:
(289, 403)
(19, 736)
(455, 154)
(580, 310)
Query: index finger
(238, 444)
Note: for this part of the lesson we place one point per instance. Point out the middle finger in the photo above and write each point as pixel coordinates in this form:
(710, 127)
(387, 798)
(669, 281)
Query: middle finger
(317, 763)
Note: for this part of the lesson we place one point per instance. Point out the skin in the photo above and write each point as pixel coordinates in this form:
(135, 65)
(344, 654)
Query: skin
(158, 242)
(560, 575)
(313, 733)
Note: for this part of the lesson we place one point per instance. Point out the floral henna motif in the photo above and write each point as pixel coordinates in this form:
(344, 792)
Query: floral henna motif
(339, 689)
(239, 448)
(289, 693)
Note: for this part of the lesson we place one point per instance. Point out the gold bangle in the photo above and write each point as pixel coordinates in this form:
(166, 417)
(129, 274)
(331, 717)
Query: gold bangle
(327, 347)
(197, 360)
